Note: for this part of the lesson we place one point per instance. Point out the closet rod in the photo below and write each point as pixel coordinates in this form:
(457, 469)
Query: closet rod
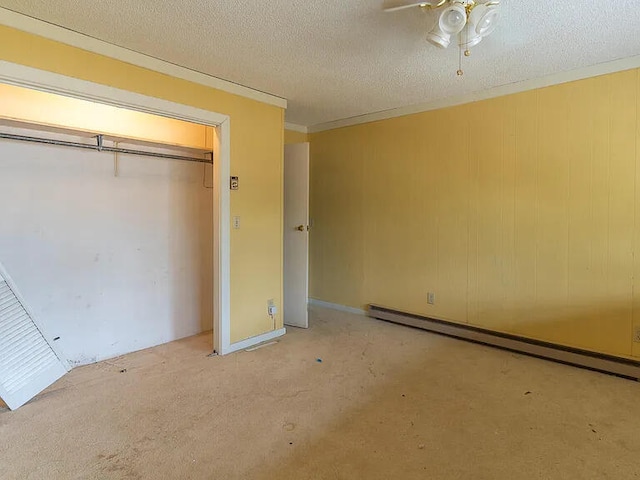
(102, 148)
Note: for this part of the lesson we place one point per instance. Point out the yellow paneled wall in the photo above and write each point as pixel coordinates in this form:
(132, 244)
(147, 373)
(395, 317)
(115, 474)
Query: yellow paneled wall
(291, 136)
(256, 157)
(518, 212)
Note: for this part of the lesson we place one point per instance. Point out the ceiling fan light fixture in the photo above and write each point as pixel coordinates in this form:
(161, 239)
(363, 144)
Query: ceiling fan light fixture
(452, 19)
(438, 38)
(469, 38)
(469, 20)
(485, 18)
(481, 23)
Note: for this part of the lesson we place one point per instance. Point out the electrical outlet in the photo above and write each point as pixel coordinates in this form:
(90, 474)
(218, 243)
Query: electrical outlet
(236, 222)
(271, 307)
(636, 334)
(431, 298)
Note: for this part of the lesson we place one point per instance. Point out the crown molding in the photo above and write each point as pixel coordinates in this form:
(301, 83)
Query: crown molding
(502, 90)
(295, 128)
(69, 37)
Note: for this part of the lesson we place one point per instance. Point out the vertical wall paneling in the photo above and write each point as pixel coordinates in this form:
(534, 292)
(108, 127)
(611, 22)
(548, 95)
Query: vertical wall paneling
(520, 213)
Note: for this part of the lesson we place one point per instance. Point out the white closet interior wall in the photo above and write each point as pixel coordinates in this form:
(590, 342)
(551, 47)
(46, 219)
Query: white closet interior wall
(109, 264)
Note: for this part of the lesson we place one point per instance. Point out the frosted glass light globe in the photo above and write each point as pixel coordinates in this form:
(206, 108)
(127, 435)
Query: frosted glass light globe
(485, 19)
(452, 19)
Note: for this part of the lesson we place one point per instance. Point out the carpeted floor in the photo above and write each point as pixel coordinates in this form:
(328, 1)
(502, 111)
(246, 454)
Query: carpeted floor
(384, 402)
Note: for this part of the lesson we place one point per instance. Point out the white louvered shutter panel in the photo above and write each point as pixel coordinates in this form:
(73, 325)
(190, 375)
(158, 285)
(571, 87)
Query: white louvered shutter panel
(28, 364)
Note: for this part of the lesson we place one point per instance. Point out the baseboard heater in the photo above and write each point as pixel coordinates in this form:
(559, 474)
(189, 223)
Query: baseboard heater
(550, 351)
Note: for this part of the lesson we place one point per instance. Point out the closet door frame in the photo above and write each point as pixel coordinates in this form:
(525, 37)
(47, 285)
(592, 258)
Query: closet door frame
(23, 76)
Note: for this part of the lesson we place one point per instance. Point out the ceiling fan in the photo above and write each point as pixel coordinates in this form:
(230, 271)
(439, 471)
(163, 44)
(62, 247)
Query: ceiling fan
(469, 20)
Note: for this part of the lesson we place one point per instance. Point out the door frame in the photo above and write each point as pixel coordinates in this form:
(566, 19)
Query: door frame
(45, 81)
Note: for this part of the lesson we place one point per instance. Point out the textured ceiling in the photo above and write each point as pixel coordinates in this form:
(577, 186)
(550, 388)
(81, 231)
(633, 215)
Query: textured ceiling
(334, 59)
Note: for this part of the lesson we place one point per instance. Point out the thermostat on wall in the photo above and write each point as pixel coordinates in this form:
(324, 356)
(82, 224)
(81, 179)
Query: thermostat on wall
(234, 183)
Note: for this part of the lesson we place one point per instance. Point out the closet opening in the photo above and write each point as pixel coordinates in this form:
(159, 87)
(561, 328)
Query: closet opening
(107, 231)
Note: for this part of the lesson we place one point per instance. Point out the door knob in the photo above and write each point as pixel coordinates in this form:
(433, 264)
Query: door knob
(300, 228)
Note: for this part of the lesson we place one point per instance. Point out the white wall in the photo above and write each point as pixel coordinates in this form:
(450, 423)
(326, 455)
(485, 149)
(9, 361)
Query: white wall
(108, 264)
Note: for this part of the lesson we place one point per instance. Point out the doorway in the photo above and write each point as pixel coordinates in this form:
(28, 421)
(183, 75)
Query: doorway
(42, 81)
(111, 241)
(20, 75)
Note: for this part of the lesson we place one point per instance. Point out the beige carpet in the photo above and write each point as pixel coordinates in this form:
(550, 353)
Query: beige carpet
(386, 402)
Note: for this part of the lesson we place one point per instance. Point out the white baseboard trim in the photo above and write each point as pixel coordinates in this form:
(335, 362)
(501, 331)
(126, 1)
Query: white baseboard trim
(250, 342)
(336, 306)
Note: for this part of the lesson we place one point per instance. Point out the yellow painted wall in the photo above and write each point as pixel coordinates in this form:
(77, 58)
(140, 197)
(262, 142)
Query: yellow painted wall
(256, 157)
(520, 213)
(291, 136)
(40, 108)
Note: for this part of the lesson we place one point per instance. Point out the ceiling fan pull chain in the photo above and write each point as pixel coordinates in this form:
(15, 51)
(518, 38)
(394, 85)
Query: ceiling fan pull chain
(463, 41)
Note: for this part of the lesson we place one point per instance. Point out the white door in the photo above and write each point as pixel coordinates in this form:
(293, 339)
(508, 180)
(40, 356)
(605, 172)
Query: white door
(296, 234)
(28, 363)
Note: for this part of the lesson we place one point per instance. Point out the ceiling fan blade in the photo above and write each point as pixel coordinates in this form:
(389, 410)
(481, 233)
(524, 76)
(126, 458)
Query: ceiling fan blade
(429, 4)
